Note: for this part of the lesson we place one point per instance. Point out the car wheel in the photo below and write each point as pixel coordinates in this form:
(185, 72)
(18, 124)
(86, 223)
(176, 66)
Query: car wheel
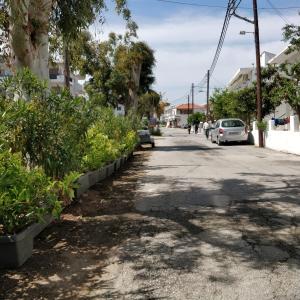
(218, 141)
(153, 145)
(211, 139)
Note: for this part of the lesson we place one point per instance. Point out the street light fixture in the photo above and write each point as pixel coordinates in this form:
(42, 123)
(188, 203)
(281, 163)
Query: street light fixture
(243, 32)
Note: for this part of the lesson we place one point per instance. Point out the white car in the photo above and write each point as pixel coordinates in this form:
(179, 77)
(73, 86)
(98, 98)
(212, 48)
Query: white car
(229, 130)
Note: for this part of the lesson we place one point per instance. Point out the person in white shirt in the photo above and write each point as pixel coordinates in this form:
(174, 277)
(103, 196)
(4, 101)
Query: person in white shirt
(206, 128)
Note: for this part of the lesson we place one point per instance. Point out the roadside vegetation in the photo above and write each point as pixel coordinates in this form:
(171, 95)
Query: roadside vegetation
(47, 141)
(48, 138)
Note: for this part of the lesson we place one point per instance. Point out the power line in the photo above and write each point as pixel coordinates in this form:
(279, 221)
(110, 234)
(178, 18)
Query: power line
(217, 81)
(278, 12)
(231, 7)
(191, 4)
(221, 6)
(179, 98)
(230, 10)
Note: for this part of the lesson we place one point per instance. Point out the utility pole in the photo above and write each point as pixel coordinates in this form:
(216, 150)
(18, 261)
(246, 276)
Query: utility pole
(207, 100)
(193, 97)
(188, 106)
(258, 73)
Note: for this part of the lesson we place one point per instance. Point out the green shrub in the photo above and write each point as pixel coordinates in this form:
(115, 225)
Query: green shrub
(65, 188)
(130, 141)
(100, 150)
(263, 125)
(26, 196)
(45, 138)
(108, 138)
(48, 129)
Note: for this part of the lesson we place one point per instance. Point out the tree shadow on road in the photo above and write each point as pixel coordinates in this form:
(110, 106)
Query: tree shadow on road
(258, 227)
(183, 230)
(188, 148)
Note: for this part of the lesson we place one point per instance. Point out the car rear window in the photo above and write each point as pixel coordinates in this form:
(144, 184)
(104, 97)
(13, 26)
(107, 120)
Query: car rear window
(232, 123)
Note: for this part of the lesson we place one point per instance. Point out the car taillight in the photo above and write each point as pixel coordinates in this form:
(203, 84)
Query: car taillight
(221, 130)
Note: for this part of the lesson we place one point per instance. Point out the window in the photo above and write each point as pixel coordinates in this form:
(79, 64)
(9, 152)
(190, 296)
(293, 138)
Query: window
(232, 123)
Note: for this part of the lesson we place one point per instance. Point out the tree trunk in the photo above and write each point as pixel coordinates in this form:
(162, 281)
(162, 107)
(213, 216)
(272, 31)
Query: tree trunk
(135, 84)
(67, 64)
(298, 111)
(29, 35)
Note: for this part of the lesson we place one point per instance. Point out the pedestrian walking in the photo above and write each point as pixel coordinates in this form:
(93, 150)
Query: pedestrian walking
(206, 128)
(200, 127)
(196, 128)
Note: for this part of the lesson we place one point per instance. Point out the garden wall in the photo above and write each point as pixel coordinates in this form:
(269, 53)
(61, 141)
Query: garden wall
(285, 141)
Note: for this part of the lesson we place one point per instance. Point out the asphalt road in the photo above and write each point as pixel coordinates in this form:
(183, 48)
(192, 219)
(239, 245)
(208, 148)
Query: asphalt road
(219, 222)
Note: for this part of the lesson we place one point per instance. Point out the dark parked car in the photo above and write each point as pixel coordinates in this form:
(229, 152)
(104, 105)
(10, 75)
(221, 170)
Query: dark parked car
(145, 138)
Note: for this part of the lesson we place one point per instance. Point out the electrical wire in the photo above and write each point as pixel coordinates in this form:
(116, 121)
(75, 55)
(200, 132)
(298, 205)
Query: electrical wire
(220, 6)
(232, 6)
(278, 12)
(191, 4)
(179, 98)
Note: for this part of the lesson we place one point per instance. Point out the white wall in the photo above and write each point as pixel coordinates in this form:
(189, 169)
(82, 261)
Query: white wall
(285, 141)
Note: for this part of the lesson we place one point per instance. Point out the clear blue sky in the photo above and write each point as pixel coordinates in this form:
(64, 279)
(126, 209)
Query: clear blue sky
(185, 38)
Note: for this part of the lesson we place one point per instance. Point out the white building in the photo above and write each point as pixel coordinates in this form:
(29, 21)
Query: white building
(177, 115)
(120, 110)
(283, 57)
(57, 80)
(284, 109)
(244, 77)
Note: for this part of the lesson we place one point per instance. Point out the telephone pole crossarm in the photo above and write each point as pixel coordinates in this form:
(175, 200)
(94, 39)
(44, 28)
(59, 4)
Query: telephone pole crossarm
(243, 18)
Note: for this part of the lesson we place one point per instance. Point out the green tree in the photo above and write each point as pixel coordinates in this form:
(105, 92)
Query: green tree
(196, 118)
(30, 26)
(222, 104)
(245, 104)
(271, 82)
(136, 62)
(291, 34)
(290, 83)
(234, 104)
(69, 18)
(149, 103)
(113, 72)
(290, 86)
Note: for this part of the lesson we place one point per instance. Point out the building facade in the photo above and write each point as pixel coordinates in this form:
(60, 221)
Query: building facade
(177, 115)
(245, 77)
(57, 80)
